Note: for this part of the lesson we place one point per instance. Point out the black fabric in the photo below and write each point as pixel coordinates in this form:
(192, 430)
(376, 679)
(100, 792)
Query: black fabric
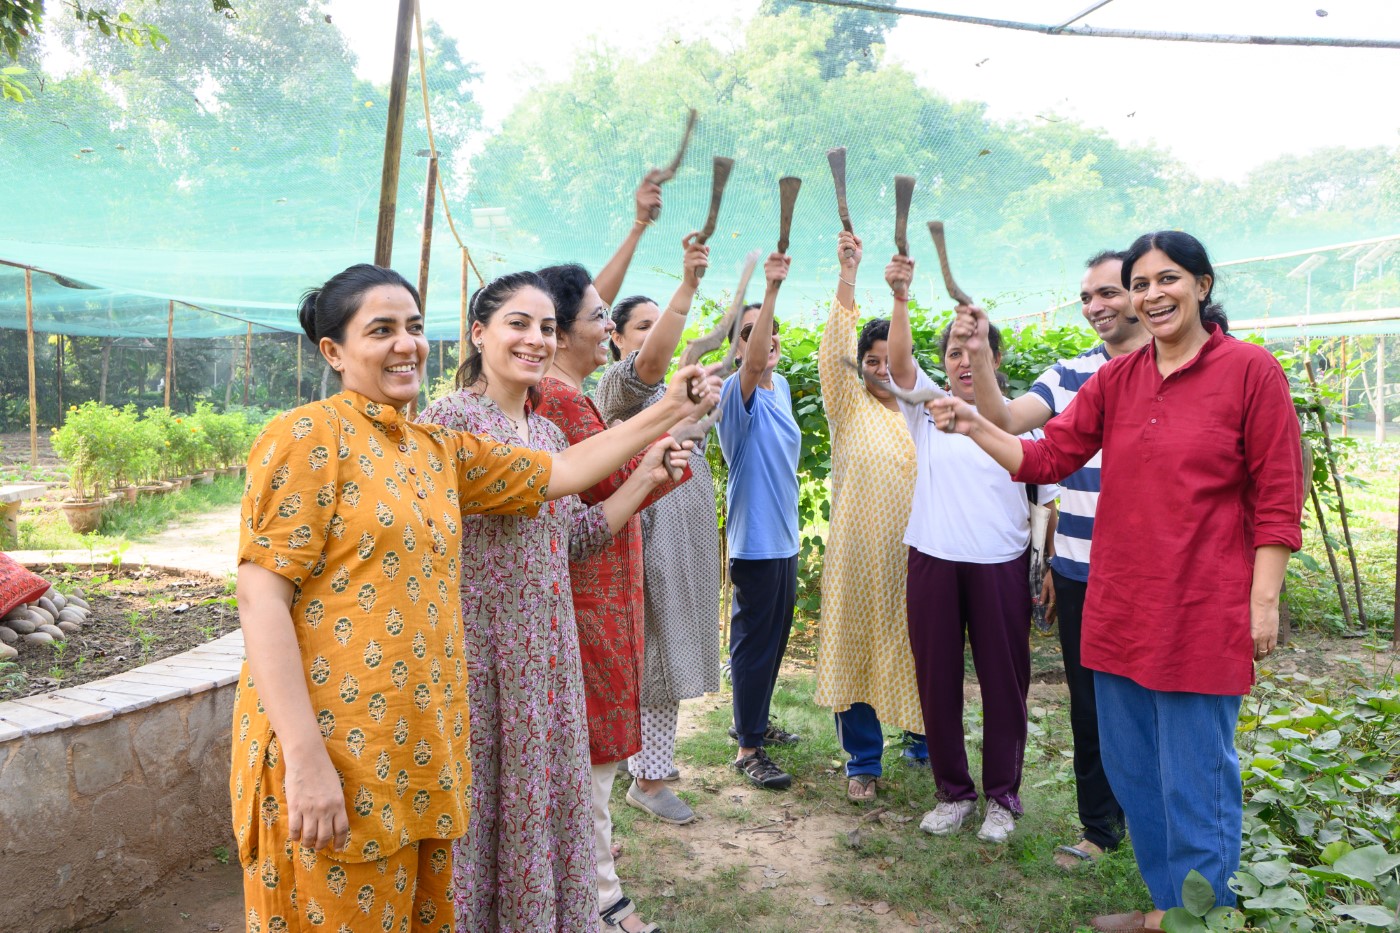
(765, 593)
(1099, 811)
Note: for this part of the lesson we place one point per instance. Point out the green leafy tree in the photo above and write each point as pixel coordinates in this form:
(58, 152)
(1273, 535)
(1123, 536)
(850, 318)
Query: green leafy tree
(857, 36)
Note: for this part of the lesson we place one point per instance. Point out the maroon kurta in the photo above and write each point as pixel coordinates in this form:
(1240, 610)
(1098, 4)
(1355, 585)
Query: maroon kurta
(607, 594)
(1199, 469)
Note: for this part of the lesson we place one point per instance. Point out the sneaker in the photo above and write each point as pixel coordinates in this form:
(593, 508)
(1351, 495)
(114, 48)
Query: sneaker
(664, 805)
(998, 825)
(760, 769)
(948, 817)
(772, 736)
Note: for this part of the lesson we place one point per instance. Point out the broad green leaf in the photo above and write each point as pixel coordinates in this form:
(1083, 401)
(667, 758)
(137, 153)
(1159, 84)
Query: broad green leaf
(1224, 920)
(1368, 863)
(1272, 872)
(1367, 913)
(1277, 899)
(1180, 920)
(1197, 895)
(1335, 850)
(1327, 740)
(1245, 885)
(1332, 876)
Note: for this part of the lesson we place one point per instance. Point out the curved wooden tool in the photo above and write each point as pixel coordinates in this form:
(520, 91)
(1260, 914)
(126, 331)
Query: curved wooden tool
(723, 166)
(787, 196)
(666, 174)
(837, 159)
(728, 325)
(903, 195)
(695, 430)
(935, 228)
(916, 397)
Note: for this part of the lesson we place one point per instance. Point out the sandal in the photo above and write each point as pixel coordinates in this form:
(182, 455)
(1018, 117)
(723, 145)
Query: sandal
(612, 917)
(860, 788)
(1083, 852)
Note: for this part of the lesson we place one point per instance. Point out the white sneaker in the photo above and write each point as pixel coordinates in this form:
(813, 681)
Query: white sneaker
(998, 825)
(948, 817)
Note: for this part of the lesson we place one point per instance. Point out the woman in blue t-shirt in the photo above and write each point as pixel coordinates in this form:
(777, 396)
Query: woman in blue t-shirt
(760, 440)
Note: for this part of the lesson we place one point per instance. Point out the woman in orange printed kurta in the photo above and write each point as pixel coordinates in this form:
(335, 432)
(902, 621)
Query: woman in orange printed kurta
(349, 767)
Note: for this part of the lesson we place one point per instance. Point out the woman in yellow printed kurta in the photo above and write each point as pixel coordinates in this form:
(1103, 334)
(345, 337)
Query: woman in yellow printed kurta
(865, 669)
(349, 769)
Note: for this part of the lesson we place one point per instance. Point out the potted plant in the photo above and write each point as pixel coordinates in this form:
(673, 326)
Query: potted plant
(85, 444)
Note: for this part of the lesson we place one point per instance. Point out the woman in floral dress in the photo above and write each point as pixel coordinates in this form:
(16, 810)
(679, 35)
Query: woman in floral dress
(527, 860)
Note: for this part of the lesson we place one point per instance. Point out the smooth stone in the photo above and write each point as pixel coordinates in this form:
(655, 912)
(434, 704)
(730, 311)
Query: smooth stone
(8, 635)
(54, 632)
(38, 638)
(40, 615)
(69, 628)
(48, 606)
(8, 652)
(71, 615)
(23, 626)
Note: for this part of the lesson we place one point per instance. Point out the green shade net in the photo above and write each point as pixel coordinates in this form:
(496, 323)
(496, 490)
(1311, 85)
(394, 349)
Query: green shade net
(240, 164)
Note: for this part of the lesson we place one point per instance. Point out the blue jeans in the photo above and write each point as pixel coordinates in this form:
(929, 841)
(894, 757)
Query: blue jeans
(858, 730)
(1171, 760)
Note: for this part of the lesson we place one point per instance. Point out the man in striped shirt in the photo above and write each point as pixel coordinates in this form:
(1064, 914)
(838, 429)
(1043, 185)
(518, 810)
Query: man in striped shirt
(1108, 310)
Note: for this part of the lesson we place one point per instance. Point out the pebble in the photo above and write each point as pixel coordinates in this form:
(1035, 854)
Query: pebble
(38, 638)
(22, 626)
(8, 652)
(48, 606)
(8, 635)
(53, 631)
(69, 628)
(38, 613)
(71, 615)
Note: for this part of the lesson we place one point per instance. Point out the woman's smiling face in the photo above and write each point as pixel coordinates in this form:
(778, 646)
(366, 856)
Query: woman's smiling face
(1167, 298)
(384, 351)
(518, 343)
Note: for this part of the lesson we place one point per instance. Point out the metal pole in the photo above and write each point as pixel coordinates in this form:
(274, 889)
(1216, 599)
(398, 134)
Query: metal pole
(393, 137)
(169, 349)
(33, 393)
(247, 363)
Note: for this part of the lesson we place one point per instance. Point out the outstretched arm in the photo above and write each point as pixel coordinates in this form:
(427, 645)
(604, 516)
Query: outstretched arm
(608, 281)
(903, 370)
(660, 347)
(1023, 414)
(760, 342)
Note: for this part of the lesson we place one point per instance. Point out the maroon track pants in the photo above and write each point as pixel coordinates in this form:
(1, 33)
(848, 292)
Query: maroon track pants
(991, 603)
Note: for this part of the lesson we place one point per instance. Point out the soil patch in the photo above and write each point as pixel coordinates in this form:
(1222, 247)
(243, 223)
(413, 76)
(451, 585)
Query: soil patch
(137, 617)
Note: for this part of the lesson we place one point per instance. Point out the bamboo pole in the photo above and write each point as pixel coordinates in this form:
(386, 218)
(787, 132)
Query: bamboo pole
(425, 252)
(1331, 559)
(1346, 390)
(33, 392)
(58, 373)
(298, 340)
(393, 137)
(247, 363)
(462, 328)
(1337, 487)
(1395, 630)
(169, 349)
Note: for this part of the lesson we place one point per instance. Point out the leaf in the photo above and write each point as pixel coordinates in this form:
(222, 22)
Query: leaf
(1366, 913)
(1197, 896)
(1245, 885)
(1272, 872)
(1181, 920)
(1369, 863)
(1335, 850)
(1277, 899)
(1327, 740)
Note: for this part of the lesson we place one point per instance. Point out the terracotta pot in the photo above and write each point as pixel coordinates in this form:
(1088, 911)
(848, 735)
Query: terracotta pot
(83, 517)
(183, 482)
(154, 489)
(205, 478)
(129, 494)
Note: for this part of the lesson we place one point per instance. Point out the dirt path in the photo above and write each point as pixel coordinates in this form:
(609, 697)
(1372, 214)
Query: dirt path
(207, 542)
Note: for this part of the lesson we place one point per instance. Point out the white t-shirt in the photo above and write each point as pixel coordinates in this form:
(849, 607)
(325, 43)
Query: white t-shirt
(966, 508)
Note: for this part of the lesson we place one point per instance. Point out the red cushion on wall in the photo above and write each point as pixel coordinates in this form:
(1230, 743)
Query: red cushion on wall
(18, 585)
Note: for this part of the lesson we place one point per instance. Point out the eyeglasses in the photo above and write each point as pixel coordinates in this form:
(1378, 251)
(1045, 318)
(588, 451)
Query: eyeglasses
(748, 329)
(602, 313)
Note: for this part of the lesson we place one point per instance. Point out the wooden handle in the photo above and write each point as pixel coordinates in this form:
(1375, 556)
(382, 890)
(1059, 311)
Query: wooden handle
(787, 196)
(935, 228)
(723, 166)
(669, 172)
(836, 158)
(903, 196)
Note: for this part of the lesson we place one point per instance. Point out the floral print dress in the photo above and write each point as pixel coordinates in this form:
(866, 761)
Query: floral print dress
(527, 861)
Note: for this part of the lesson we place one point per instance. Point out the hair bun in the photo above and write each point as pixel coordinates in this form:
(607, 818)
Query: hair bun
(306, 313)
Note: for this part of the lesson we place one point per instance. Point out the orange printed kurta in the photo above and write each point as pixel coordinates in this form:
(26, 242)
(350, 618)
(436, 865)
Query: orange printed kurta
(362, 511)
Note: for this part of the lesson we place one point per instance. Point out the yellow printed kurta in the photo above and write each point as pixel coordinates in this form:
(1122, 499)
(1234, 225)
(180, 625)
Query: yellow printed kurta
(362, 511)
(863, 654)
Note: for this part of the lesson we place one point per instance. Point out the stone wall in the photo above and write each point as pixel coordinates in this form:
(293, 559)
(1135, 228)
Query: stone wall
(108, 788)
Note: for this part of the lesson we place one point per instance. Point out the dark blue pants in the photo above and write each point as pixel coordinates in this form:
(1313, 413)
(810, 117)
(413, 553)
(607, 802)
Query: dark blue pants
(765, 592)
(1099, 812)
(1172, 760)
(859, 732)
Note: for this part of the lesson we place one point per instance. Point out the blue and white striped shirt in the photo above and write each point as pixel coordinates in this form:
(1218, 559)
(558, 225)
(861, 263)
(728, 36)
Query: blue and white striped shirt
(1057, 387)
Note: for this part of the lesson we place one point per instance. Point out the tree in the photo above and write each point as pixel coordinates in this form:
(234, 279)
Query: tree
(856, 38)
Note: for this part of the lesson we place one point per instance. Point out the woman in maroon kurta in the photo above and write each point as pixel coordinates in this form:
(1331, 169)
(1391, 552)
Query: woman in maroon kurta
(1201, 504)
(607, 587)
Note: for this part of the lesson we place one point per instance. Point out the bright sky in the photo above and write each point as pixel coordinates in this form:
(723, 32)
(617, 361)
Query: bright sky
(1221, 108)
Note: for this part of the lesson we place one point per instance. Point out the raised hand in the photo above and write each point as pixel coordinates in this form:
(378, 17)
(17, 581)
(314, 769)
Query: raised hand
(899, 274)
(775, 270)
(648, 197)
(970, 326)
(697, 259)
(694, 390)
(848, 254)
(952, 415)
(665, 460)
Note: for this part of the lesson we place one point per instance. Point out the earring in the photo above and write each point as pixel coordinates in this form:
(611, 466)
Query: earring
(478, 348)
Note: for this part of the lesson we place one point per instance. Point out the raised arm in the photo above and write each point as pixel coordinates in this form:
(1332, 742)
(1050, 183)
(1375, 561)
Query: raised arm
(839, 387)
(900, 275)
(775, 271)
(587, 463)
(1023, 414)
(660, 346)
(608, 281)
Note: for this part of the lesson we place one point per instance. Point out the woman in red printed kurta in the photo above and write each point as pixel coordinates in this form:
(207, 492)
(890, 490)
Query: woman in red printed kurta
(607, 587)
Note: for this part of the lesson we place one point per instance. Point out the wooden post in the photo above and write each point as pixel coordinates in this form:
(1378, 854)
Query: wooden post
(1380, 387)
(33, 393)
(1395, 630)
(298, 340)
(393, 137)
(425, 253)
(169, 349)
(247, 363)
(462, 330)
(1346, 390)
(58, 367)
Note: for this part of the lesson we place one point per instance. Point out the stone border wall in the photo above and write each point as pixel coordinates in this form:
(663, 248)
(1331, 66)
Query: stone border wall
(108, 788)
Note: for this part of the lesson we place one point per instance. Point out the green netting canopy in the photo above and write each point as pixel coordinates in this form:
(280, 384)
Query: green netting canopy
(240, 163)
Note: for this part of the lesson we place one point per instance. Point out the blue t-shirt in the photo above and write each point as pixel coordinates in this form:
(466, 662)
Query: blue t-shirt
(1074, 531)
(761, 443)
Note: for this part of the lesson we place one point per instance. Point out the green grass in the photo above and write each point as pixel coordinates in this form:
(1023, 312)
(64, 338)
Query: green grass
(960, 882)
(124, 523)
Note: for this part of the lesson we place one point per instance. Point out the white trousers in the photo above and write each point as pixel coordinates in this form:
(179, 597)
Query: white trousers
(609, 887)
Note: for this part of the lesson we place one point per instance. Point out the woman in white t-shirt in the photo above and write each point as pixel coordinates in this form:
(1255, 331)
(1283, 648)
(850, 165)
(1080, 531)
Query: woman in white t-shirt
(968, 535)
